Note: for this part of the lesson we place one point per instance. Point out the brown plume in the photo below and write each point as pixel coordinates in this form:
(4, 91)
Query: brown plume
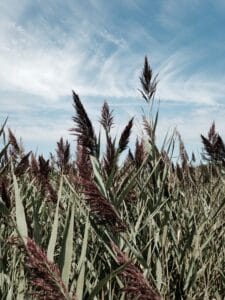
(148, 83)
(23, 165)
(124, 138)
(63, 155)
(214, 146)
(84, 129)
(106, 117)
(83, 162)
(110, 158)
(4, 191)
(136, 286)
(183, 153)
(101, 208)
(15, 149)
(44, 275)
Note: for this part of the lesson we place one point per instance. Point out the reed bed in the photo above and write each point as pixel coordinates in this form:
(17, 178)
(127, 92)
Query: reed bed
(105, 227)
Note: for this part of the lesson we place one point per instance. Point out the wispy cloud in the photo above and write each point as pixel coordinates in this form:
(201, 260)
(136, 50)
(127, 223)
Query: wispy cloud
(48, 62)
(177, 83)
(97, 49)
(33, 65)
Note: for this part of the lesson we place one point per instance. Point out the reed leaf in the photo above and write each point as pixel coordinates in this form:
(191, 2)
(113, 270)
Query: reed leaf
(21, 222)
(53, 237)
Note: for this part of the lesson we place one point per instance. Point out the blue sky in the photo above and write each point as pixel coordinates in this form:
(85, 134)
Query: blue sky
(97, 48)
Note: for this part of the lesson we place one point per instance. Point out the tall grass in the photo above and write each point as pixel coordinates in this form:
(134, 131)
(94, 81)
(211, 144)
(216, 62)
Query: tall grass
(99, 228)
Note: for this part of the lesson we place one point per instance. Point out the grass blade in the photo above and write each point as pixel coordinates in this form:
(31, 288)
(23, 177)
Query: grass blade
(81, 264)
(53, 238)
(20, 213)
(68, 248)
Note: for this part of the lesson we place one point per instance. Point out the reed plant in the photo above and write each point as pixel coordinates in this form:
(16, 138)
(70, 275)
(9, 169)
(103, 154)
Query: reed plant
(115, 223)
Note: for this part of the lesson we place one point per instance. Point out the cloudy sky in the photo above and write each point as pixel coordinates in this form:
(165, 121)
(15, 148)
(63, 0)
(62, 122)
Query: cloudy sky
(97, 48)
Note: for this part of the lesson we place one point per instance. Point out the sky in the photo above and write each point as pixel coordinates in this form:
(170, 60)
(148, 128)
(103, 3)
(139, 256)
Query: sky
(97, 48)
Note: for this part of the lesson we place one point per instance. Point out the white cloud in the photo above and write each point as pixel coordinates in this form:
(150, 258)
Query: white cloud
(32, 65)
(41, 62)
(46, 62)
(175, 84)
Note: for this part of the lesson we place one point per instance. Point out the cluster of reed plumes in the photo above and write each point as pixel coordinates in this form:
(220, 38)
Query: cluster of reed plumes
(105, 226)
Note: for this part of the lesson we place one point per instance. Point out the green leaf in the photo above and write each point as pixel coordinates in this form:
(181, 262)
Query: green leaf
(53, 237)
(98, 176)
(191, 276)
(105, 280)
(20, 213)
(10, 293)
(81, 264)
(37, 226)
(158, 274)
(68, 249)
(129, 186)
(3, 209)
(21, 285)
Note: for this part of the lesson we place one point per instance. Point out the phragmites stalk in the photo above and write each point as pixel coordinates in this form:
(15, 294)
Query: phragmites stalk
(166, 159)
(34, 165)
(13, 141)
(15, 149)
(84, 129)
(148, 83)
(63, 155)
(101, 208)
(4, 191)
(124, 138)
(212, 135)
(136, 285)
(139, 153)
(214, 146)
(23, 165)
(149, 130)
(44, 168)
(179, 172)
(110, 158)
(44, 181)
(130, 156)
(83, 161)
(193, 158)
(106, 117)
(40, 171)
(183, 153)
(44, 275)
